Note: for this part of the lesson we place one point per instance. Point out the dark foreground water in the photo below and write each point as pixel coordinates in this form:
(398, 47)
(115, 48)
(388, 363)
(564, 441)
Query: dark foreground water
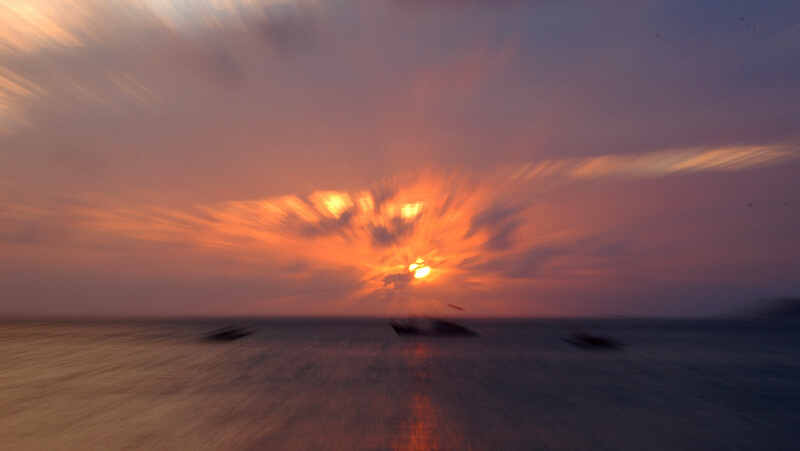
(354, 384)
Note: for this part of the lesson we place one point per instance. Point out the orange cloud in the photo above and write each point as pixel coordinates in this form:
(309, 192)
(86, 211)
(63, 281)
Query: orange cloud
(479, 234)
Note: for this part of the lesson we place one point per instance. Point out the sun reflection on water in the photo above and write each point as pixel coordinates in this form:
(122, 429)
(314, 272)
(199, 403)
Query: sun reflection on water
(426, 426)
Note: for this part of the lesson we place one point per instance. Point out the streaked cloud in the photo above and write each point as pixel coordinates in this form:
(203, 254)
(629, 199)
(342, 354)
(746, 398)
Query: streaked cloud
(15, 95)
(32, 25)
(658, 164)
(38, 38)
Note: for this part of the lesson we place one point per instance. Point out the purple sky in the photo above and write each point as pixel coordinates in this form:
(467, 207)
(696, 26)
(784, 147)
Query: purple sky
(542, 158)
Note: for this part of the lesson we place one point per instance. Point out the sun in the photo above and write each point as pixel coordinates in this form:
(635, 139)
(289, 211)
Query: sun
(419, 269)
(422, 271)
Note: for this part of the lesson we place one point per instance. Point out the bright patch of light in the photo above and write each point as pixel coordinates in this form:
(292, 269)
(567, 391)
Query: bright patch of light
(331, 203)
(408, 211)
(419, 269)
(405, 211)
(417, 264)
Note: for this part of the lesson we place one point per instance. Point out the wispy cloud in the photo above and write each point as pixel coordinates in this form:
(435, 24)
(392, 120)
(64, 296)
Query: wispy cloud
(16, 93)
(657, 164)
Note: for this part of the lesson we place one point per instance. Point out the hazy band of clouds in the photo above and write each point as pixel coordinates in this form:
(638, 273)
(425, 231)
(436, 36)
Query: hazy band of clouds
(385, 214)
(468, 227)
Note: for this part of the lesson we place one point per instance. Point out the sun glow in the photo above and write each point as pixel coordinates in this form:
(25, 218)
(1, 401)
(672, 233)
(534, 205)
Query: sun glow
(419, 269)
(422, 272)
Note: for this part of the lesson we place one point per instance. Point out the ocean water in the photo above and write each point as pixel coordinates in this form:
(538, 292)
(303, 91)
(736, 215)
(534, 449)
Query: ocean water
(353, 384)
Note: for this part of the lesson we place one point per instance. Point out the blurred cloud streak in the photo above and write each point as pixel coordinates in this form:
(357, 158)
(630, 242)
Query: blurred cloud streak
(660, 163)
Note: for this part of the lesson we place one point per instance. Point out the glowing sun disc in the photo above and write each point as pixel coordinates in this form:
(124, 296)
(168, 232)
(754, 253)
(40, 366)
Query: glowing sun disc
(422, 271)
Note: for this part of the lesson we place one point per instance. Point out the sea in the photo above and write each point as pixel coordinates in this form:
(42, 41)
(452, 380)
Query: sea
(354, 384)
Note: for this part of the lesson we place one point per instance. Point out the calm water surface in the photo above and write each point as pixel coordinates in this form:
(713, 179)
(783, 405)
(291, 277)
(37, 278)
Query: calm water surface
(354, 384)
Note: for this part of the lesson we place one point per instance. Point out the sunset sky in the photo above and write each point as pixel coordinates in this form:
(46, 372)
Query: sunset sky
(275, 157)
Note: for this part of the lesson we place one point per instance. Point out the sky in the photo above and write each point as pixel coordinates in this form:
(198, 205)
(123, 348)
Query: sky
(285, 158)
